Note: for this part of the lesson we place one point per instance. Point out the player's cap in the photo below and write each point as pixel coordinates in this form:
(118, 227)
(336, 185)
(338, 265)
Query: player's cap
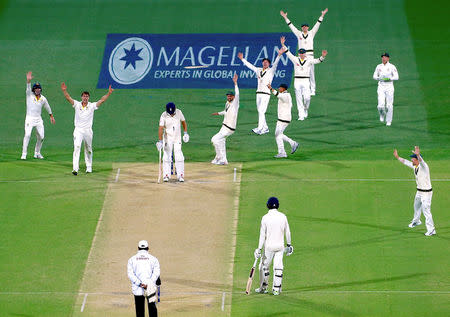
(230, 93)
(414, 156)
(305, 24)
(272, 203)
(266, 59)
(385, 54)
(284, 86)
(143, 244)
(35, 86)
(302, 51)
(170, 108)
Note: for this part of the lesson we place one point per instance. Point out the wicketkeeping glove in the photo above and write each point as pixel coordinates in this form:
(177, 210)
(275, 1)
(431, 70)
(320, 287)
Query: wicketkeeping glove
(186, 137)
(257, 253)
(289, 250)
(159, 145)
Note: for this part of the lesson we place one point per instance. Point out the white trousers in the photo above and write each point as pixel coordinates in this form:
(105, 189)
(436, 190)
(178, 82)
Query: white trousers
(167, 158)
(262, 102)
(219, 142)
(422, 204)
(312, 77)
(264, 269)
(302, 96)
(386, 102)
(82, 136)
(30, 123)
(280, 137)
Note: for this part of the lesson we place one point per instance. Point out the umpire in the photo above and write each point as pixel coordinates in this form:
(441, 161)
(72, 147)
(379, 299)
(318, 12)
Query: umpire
(143, 272)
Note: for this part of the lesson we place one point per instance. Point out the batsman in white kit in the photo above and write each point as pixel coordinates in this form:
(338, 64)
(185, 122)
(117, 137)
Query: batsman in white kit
(228, 126)
(306, 41)
(264, 76)
(169, 139)
(33, 119)
(84, 118)
(274, 226)
(385, 73)
(302, 70)
(284, 118)
(422, 201)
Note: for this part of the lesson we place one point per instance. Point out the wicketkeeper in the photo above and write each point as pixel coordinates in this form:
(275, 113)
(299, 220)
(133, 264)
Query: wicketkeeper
(274, 226)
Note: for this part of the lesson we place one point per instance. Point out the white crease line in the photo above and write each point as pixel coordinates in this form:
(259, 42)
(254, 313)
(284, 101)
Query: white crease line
(84, 302)
(371, 291)
(117, 175)
(223, 301)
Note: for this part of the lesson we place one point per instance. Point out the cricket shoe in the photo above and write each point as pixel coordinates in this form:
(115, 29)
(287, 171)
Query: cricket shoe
(264, 131)
(301, 118)
(256, 131)
(180, 178)
(23, 157)
(261, 290)
(89, 170)
(215, 161)
(414, 224)
(294, 147)
(313, 93)
(388, 124)
(430, 233)
(222, 163)
(75, 173)
(276, 293)
(280, 155)
(166, 179)
(38, 156)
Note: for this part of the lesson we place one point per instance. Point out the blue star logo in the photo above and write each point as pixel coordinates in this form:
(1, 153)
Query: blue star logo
(131, 56)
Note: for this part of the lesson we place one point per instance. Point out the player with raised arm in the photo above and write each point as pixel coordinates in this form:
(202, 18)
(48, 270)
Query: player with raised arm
(302, 64)
(264, 77)
(306, 41)
(35, 102)
(422, 201)
(84, 118)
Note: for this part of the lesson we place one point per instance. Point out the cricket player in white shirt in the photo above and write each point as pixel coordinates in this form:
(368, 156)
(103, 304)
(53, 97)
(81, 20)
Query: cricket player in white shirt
(143, 271)
(274, 226)
(169, 129)
(422, 201)
(228, 126)
(33, 119)
(385, 73)
(302, 65)
(264, 76)
(284, 118)
(84, 118)
(306, 41)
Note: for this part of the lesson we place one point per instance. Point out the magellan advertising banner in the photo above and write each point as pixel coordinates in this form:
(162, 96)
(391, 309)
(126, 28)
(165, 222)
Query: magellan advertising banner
(190, 60)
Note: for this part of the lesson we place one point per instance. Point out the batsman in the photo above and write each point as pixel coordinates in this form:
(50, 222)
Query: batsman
(274, 226)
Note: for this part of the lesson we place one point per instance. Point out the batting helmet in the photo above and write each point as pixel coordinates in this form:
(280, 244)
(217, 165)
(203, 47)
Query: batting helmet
(170, 108)
(35, 86)
(272, 203)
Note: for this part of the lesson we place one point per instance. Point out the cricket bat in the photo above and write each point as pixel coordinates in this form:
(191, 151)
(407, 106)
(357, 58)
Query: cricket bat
(250, 279)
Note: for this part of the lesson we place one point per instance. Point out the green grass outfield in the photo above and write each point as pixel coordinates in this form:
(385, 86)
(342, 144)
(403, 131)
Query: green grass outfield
(348, 236)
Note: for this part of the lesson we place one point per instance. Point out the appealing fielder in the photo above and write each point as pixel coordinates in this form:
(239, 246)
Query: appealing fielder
(274, 226)
(306, 41)
(228, 126)
(143, 271)
(169, 129)
(385, 73)
(422, 201)
(84, 118)
(284, 118)
(302, 69)
(35, 102)
(264, 76)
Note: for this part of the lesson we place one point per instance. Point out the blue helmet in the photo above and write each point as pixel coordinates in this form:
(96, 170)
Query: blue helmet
(272, 203)
(35, 86)
(170, 108)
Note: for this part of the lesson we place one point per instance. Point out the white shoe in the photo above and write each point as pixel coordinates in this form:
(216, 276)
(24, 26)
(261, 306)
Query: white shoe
(89, 170)
(215, 161)
(280, 155)
(414, 224)
(301, 118)
(23, 157)
(166, 179)
(264, 131)
(431, 233)
(313, 93)
(38, 156)
(276, 293)
(294, 147)
(388, 124)
(256, 130)
(261, 290)
(222, 163)
(180, 178)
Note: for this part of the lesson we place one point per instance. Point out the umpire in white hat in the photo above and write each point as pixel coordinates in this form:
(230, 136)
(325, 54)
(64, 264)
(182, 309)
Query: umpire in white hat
(143, 272)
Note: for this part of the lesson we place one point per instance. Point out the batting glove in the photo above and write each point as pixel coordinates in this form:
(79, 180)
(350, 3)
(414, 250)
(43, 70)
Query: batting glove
(159, 145)
(257, 253)
(186, 137)
(289, 250)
